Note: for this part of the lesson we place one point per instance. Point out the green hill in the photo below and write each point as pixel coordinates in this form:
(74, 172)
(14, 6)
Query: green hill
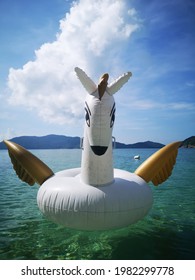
(46, 142)
(68, 142)
(189, 142)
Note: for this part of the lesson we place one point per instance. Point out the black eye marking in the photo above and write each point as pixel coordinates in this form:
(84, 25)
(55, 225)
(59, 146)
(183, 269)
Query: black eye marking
(112, 114)
(87, 118)
(113, 108)
(87, 114)
(88, 108)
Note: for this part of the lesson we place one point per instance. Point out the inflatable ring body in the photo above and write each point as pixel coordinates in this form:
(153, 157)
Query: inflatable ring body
(95, 196)
(66, 200)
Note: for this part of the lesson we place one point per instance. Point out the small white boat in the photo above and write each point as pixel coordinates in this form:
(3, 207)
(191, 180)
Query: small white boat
(137, 157)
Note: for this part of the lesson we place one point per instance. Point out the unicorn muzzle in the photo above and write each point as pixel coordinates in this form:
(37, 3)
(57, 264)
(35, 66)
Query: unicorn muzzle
(99, 150)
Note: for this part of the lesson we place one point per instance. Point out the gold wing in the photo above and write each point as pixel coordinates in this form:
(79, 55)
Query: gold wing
(28, 167)
(158, 167)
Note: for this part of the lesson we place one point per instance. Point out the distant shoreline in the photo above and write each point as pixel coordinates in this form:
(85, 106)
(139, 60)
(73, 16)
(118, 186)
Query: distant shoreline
(68, 142)
(53, 141)
(189, 146)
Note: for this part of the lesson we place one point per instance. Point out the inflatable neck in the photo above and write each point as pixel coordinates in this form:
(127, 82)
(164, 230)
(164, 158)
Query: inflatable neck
(96, 170)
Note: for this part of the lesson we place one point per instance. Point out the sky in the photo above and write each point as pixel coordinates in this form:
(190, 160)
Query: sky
(43, 41)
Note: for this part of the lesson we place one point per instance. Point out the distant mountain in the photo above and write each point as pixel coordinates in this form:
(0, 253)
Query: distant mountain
(189, 142)
(147, 144)
(46, 142)
(67, 142)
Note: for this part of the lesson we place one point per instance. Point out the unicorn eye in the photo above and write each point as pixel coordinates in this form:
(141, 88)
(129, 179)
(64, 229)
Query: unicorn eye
(112, 115)
(87, 118)
(112, 118)
(87, 113)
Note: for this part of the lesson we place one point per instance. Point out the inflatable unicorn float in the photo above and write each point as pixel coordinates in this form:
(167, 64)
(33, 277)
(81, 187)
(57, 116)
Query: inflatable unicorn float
(95, 196)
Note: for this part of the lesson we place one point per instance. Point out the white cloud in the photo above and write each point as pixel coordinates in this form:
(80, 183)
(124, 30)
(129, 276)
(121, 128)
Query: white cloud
(190, 84)
(8, 134)
(88, 36)
(136, 102)
(181, 106)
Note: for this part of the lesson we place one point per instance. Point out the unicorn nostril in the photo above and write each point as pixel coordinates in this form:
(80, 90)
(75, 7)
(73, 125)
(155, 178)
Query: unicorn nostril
(99, 150)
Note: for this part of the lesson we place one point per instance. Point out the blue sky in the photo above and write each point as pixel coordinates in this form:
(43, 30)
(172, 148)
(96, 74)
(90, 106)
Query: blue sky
(42, 41)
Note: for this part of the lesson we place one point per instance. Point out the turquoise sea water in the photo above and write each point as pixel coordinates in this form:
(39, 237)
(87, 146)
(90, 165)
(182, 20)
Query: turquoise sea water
(167, 232)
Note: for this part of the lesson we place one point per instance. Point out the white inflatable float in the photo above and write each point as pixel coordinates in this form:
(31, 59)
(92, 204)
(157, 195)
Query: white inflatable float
(95, 196)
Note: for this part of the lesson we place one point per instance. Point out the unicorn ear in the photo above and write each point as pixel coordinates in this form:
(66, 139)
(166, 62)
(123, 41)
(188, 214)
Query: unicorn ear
(118, 83)
(88, 84)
